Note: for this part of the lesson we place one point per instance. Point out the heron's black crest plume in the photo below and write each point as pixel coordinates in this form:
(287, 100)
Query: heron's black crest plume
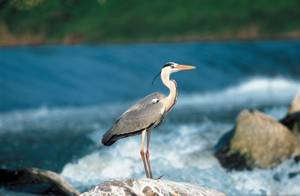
(155, 77)
(169, 64)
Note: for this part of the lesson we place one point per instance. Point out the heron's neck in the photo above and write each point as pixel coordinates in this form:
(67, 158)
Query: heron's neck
(170, 100)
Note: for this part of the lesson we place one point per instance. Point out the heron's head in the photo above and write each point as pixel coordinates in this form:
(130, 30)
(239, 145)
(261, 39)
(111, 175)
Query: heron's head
(172, 67)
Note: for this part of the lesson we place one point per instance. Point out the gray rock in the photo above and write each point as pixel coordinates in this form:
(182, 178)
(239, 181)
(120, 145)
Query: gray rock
(258, 140)
(35, 181)
(150, 187)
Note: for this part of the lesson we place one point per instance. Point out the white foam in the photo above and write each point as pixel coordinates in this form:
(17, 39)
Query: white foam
(264, 182)
(177, 149)
(182, 153)
(255, 92)
(44, 118)
(251, 93)
(96, 167)
(277, 112)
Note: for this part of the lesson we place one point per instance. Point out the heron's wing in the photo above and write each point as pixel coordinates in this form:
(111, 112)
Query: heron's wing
(144, 114)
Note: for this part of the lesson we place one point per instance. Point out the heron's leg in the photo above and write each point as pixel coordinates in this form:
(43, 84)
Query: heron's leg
(142, 152)
(148, 153)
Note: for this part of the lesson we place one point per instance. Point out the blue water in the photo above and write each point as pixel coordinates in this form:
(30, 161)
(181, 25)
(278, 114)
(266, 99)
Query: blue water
(56, 102)
(83, 75)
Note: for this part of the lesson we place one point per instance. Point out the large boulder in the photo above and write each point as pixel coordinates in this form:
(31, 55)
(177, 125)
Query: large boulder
(150, 187)
(35, 181)
(257, 140)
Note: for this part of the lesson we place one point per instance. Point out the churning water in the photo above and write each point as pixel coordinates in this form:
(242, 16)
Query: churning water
(57, 101)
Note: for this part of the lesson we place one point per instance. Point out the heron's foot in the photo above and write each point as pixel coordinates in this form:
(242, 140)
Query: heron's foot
(158, 178)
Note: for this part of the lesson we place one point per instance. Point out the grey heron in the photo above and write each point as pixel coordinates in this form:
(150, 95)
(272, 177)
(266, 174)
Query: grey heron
(146, 114)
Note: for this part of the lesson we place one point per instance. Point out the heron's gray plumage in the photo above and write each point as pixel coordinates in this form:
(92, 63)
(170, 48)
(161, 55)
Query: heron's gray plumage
(145, 114)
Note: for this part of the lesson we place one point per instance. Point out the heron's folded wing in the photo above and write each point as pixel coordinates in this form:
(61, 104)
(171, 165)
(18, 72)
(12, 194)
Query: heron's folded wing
(144, 114)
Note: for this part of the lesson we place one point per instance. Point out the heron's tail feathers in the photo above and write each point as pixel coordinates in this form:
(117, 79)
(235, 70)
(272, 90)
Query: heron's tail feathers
(111, 137)
(108, 138)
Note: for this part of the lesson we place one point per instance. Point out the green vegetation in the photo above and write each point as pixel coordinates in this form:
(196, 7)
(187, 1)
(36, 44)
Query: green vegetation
(155, 20)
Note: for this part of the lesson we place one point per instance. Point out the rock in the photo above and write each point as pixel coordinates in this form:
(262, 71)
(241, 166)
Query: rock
(258, 140)
(35, 181)
(150, 187)
(292, 121)
(295, 105)
(230, 160)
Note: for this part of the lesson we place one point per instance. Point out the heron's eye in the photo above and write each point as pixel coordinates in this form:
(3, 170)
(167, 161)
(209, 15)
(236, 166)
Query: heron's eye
(172, 66)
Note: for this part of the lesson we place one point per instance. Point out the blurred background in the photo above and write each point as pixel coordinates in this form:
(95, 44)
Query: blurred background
(69, 68)
(98, 21)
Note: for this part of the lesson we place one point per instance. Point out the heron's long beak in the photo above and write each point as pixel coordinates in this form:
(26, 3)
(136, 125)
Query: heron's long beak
(185, 67)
